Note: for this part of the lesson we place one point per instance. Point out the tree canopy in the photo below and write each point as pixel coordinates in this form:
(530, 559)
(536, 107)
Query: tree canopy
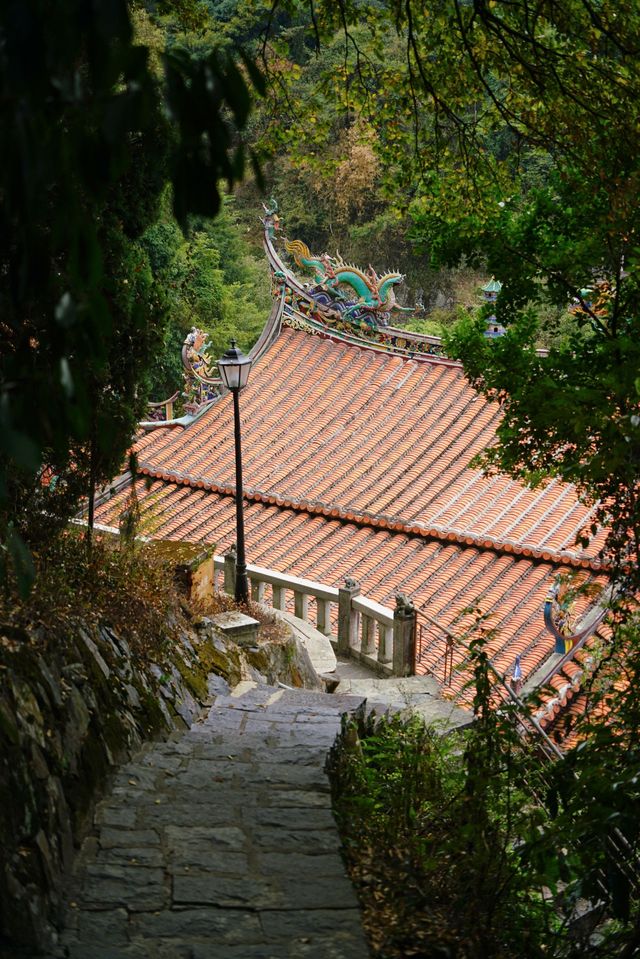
(95, 123)
(507, 134)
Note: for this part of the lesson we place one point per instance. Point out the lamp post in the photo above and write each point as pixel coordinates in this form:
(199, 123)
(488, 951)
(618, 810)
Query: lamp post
(234, 369)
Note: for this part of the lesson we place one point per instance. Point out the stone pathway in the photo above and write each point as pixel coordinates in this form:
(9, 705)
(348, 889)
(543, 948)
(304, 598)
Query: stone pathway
(418, 695)
(222, 844)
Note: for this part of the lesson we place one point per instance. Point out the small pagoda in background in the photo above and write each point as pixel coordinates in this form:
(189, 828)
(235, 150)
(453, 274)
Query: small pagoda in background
(490, 293)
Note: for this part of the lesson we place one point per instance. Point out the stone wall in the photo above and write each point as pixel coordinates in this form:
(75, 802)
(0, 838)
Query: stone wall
(70, 711)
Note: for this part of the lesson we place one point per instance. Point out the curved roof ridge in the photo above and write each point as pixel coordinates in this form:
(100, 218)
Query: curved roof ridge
(387, 343)
(303, 311)
(377, 521)
(381, 339)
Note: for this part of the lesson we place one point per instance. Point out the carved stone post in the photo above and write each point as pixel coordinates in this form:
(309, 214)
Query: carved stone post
(348, 618)
(404, 622)
(230, 571)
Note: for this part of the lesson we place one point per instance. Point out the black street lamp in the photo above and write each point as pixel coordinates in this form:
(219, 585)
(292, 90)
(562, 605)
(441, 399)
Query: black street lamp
(234, 369)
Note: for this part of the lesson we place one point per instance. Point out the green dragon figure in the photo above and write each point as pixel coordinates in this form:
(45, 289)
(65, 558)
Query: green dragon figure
(375, 293)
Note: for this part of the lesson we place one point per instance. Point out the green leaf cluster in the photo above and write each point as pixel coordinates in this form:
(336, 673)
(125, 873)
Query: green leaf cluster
(96, 118)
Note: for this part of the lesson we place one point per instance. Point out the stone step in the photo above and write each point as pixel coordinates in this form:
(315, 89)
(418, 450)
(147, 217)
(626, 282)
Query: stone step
(417, 695)
(222, 843)
(249, 695)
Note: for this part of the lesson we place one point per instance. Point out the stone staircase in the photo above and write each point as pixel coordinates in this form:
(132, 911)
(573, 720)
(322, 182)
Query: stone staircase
(221, 844)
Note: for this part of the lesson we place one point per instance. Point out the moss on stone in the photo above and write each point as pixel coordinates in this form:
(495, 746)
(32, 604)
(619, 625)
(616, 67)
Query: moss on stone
(295, 677)
(259, 659)
(175, 551)
(154, 719)
(223, 663)
(194, 677)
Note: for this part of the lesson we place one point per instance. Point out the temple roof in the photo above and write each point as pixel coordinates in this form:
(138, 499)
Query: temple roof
(445, 577)
(356, 463)
(339, 430)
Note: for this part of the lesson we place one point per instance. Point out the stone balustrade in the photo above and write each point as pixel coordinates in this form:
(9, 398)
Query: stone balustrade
(376, 630)
(358, 627)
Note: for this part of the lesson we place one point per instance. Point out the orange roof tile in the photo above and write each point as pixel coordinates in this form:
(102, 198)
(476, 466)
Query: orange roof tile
(444, 577)
(337, 429)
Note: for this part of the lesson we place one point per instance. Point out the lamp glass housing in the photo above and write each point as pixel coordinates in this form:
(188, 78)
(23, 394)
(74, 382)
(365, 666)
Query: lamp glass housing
(234, 368)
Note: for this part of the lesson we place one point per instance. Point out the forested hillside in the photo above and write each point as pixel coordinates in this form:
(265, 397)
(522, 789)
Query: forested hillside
(343, 139)
(210, 278)
(321, 159)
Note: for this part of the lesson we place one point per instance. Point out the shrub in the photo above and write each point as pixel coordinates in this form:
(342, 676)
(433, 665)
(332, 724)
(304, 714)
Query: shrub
(132, 592)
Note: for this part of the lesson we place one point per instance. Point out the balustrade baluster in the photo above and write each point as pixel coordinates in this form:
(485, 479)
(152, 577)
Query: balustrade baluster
(279, 597)
(385, 643)
(354, 638)
(301, 605)
(257, 590)
(368, 642)
(324, 616)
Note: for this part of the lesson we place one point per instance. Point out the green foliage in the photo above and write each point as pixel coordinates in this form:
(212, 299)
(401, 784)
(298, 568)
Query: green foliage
(474, 844)
(91, 135)
(573, 414)
(593, 798)
(484, 139)
(208, 278)
(429, 825)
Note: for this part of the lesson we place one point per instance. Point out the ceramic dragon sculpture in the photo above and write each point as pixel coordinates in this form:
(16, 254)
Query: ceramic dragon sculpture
(562, 612)
(375, 294)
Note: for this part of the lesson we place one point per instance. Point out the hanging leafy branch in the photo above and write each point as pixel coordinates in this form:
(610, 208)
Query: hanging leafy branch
(91, 135)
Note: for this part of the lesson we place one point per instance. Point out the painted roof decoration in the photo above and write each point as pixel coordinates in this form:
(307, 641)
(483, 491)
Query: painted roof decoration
(201, 384)
(352, 292)
(357, 450)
